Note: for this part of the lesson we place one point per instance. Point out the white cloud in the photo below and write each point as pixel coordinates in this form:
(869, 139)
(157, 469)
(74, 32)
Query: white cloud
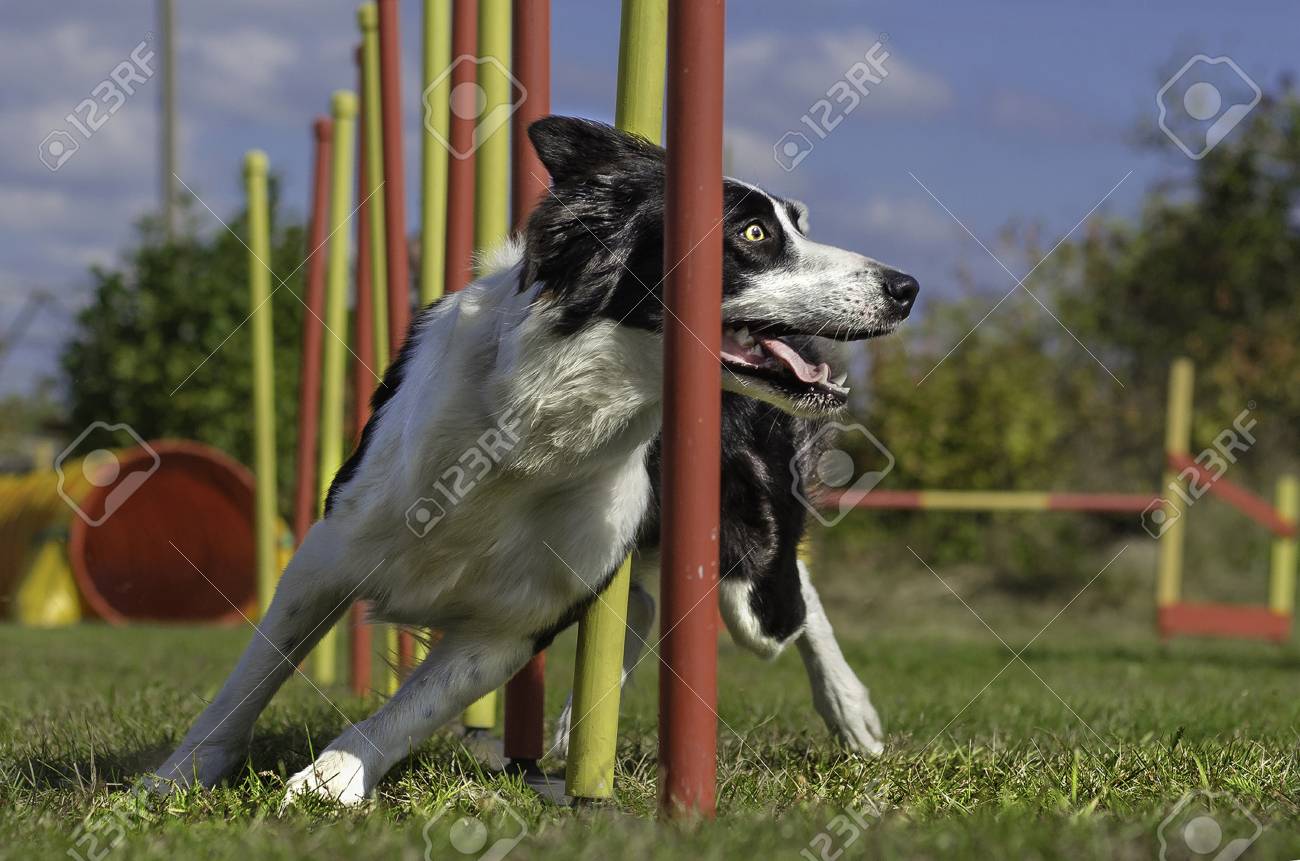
(242, 72)
(26, 208)
(774, 78)
(749, 155)
(67, 58)
(1020, 110)
(909, 218)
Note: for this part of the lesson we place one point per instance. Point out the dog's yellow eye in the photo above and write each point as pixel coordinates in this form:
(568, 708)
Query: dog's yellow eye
(754, 232)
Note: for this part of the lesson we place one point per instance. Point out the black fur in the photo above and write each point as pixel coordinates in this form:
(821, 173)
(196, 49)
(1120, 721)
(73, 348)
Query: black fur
(596, 240)
(596, 244)
(766, 453)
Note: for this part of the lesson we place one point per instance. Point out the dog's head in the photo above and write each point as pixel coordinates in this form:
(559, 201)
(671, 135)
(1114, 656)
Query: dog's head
(595, 244)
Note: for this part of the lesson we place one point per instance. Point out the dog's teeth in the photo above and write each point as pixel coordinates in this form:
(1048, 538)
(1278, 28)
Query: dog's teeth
(744, 338)
(839, 380)
(823, 373)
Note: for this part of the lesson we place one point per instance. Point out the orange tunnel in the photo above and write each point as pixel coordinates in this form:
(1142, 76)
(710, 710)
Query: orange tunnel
(161, 533)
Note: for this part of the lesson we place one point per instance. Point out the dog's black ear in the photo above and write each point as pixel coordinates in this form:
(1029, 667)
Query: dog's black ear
(572, 148)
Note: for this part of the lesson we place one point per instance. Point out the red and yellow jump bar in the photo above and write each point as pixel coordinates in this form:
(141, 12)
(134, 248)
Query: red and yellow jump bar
(996, 500)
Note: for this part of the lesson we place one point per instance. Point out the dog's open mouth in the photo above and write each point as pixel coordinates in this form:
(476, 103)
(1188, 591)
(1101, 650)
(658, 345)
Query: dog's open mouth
(778, 362)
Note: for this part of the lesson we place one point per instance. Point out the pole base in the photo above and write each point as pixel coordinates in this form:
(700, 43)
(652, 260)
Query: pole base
(549, 787)
(486, 748)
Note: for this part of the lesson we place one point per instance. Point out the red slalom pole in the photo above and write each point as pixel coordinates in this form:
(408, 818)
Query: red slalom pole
(688, 673)
(390, 86)
(359, 644)
(399, 285)
(305, 493)
(531, 66)
(460, 167)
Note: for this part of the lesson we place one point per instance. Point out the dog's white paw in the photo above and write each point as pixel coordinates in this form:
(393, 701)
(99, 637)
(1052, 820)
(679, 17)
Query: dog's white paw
(207, 766)
(845, 705)
(561, 737)
(336, 775)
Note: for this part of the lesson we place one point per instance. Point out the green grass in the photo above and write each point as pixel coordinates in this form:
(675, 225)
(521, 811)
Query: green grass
(1016, 773)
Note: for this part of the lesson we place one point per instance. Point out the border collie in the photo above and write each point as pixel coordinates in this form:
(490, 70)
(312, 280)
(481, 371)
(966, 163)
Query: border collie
(766, 596)
(537, 389)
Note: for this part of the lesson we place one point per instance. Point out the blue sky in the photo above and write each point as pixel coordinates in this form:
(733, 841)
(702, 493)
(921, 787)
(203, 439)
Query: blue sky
(1008, 112)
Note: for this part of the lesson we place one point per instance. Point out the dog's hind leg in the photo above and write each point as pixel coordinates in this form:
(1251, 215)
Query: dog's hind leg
(308, 600)
(838, 695)
(458, 670)
(640, 619)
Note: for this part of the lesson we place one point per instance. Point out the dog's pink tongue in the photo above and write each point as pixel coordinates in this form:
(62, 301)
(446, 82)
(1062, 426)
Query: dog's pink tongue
(795, 362)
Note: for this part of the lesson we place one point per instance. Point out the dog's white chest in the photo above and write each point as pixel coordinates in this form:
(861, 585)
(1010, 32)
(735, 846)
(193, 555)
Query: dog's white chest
(517, 551)
(505, 479)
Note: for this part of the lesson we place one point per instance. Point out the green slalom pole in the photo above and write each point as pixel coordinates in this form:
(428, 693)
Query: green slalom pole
(491, 191)
(598, 667)
(334, 357)
(492, 134)
(259, 297)
(597, 678)
(642, 60)
(433, 153)
(433, 168)
(372, 128)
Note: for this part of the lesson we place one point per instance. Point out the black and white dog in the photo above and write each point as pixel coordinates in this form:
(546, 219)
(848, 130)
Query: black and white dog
(542, 383)
(766, 596)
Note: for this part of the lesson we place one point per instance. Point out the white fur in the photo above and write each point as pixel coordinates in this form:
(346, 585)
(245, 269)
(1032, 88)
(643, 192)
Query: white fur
(746, 628)
(587, 407)
(838, 695)
(535, 533)
(829, 291)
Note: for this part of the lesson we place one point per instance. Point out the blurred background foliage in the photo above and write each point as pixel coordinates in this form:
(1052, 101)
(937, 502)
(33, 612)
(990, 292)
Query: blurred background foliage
(1011, 400)
(1209, 270)
(164, 344)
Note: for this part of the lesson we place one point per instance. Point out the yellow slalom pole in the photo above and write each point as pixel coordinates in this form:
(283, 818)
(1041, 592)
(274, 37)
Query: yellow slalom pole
(1178, 441)
(642, 58)
(597, 679)
(598, 668)
(259, 282)
(372, 127)
(492, 134)
(433, 154)
(986, 500)
(334, 358)
(491, 191)
(433, 169)
(1282, 565)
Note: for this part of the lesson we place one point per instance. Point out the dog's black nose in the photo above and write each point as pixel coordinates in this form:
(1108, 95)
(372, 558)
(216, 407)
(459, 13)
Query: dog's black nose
(902, 289)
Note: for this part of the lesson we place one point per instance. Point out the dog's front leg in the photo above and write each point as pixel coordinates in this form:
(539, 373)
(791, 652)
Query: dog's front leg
(457, 671)
(640, 619)
(308, 600)
(838, 695)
